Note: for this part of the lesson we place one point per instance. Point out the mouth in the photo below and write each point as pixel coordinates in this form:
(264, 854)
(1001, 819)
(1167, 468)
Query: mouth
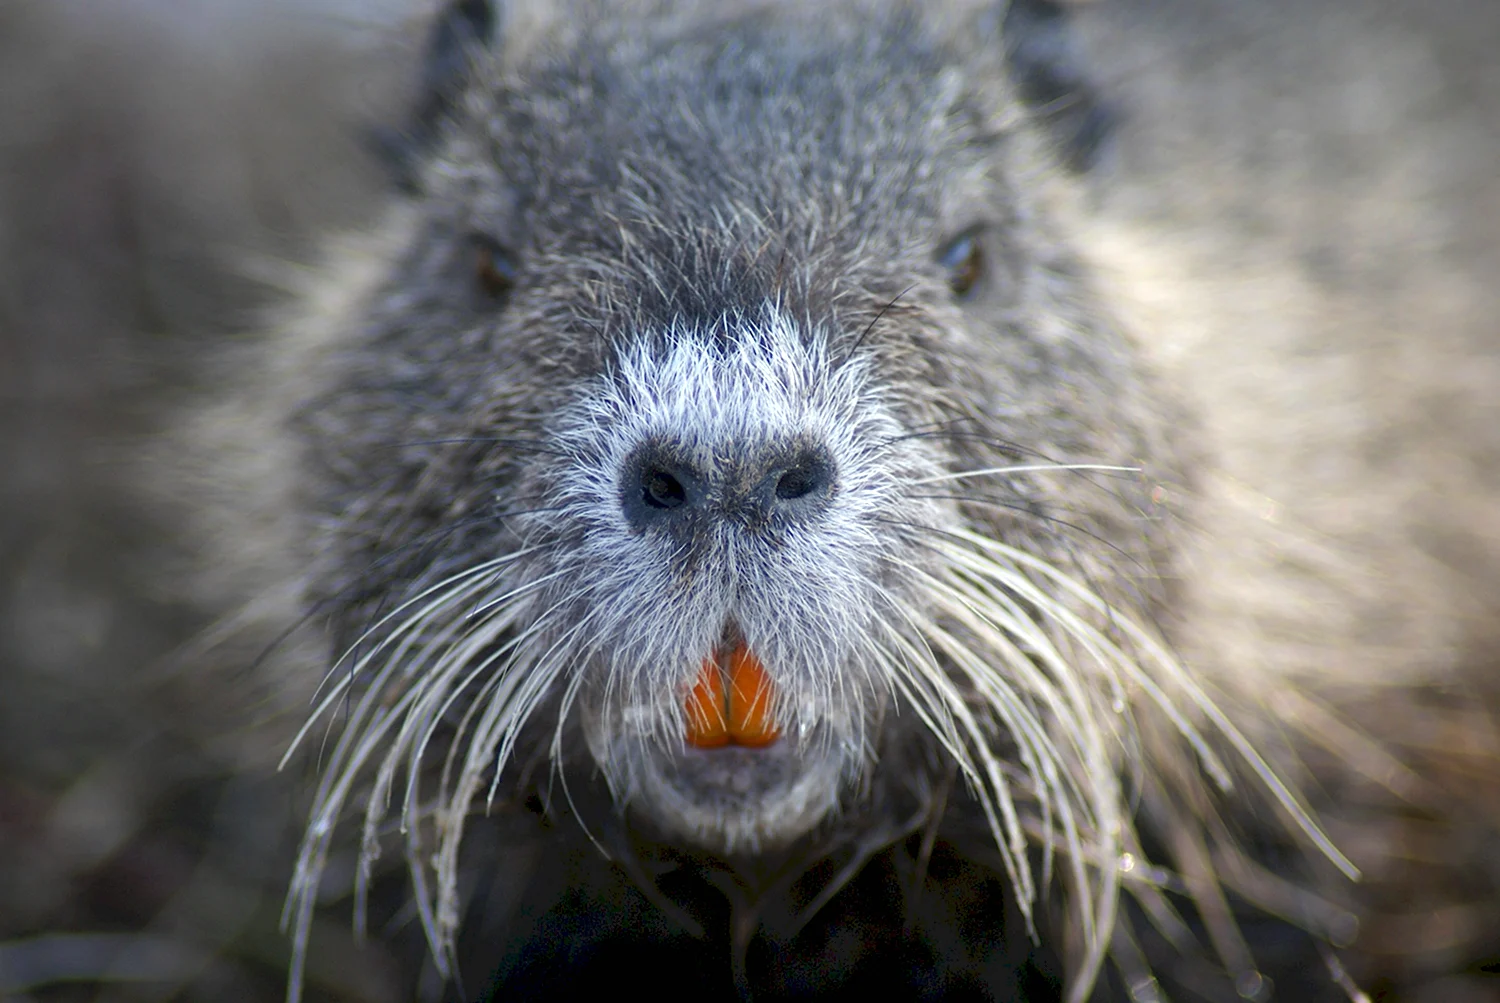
(732, 700)
(737, 783)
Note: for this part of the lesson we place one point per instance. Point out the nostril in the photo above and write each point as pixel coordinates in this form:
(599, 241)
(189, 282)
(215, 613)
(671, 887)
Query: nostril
(661, 490)
(799, 482)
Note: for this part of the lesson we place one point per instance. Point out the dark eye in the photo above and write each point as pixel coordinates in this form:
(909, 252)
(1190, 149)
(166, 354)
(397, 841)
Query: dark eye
(494, 266)
(964, 260)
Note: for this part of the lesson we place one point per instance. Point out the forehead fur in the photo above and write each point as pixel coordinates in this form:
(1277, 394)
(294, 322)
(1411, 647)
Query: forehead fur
(706, 146)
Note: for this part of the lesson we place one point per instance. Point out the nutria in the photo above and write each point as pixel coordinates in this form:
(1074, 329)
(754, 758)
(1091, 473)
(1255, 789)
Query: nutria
(753, 510)
(724, 430)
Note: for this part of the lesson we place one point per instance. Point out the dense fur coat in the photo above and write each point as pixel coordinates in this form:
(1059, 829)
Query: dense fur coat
(1268, 305)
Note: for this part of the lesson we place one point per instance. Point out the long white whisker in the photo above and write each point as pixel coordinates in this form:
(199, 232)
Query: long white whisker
(1179, 677)
(458, 585)
(505, 703)
(1010, 578)
(1028, 468)
(1013, 844)
(1042, 760)
(459, 580)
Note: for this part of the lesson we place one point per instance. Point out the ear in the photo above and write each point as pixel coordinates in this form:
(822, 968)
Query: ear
(1044, 62)
(462, 28)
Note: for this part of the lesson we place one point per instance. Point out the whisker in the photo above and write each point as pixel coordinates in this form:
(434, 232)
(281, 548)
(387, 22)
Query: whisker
(942, 431)
(480, 440)
(1022, 510)
(1040, 755)
(1030, 468)
(1183, 680)
(455, 584)
(858, 342)
(408, 648)
(987, 589)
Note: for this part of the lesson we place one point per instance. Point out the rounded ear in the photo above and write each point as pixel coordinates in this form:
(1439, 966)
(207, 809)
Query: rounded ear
(462, 28)
(1045, 64)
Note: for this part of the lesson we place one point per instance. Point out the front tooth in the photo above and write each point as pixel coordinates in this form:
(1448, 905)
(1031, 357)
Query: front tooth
(751, 694)
(707, 723)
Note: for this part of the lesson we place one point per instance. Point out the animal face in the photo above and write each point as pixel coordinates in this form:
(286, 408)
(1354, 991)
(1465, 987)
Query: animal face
(728, 419)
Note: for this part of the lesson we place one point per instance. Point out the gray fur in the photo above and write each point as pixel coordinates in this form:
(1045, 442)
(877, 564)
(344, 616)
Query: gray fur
(1238, 362)
(726, 232)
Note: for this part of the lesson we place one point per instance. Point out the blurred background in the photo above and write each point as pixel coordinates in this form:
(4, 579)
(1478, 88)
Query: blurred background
(155, 155)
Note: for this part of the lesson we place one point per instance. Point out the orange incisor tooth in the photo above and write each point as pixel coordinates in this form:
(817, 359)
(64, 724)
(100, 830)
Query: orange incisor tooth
(740, 715)
(750, 697)
(706, 724)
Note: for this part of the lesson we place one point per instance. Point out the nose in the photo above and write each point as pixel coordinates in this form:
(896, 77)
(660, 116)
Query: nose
(769, 485)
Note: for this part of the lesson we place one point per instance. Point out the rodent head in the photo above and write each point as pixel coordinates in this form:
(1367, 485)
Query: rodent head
(740, 352)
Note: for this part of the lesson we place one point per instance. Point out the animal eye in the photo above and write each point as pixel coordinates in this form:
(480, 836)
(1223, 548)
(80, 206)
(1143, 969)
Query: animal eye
(964, 260)
(494, 266)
